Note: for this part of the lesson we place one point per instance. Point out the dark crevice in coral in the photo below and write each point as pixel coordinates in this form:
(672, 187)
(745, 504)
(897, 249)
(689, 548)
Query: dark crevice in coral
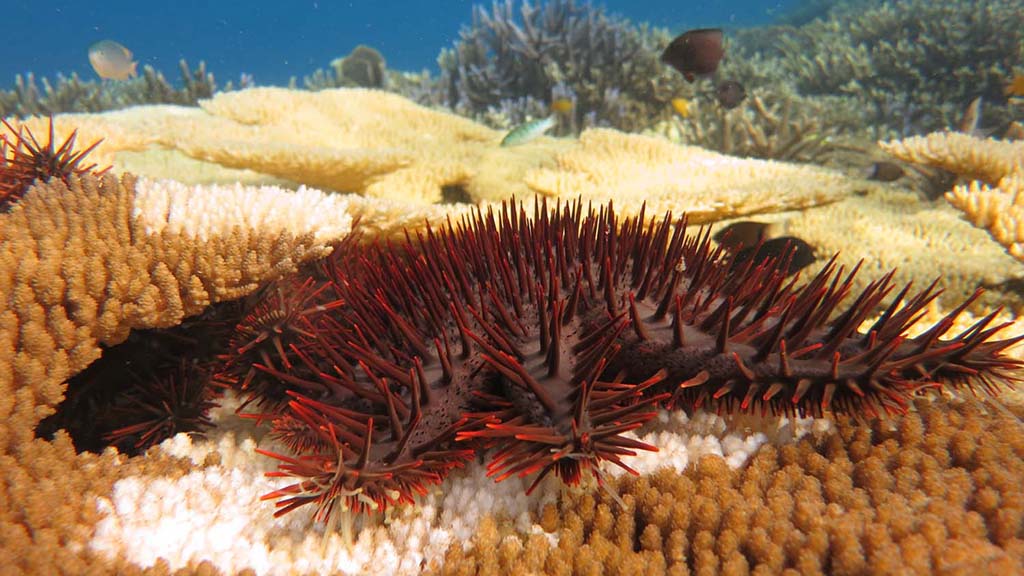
(146, 389)
(455, 194)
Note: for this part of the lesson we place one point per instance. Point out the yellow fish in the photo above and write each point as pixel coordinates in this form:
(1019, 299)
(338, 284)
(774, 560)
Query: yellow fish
(112, 61)
(562, 106)
(1015, 87)
(682, 107)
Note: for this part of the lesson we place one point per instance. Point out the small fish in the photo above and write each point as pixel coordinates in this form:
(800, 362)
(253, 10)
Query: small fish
(563, 106)
(112, 61)
(682, 106)
(885, 172)
(742, 234)
(1016, 87)
(971, 118)
(528, 131)
(800, 254)
(730, 94)
(695, 52)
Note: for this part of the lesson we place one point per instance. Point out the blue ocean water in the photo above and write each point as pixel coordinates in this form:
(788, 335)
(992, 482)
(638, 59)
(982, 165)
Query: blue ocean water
(275, 40)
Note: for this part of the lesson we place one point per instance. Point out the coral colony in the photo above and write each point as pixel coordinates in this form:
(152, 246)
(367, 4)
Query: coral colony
(543, 338)
(546, 337)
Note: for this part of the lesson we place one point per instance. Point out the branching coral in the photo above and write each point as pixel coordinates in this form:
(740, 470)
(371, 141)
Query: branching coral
(994, 199)
(71, 94)
(913, 65)
(505, 60)
(780, 131)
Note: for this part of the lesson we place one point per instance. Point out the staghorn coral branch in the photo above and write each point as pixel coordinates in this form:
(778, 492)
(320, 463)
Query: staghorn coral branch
(72, 94)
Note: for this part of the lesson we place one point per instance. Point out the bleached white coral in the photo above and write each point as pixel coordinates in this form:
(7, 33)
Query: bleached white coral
(215, 514)
(205, 211)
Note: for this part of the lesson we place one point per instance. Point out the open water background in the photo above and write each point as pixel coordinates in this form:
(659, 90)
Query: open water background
(275, 40)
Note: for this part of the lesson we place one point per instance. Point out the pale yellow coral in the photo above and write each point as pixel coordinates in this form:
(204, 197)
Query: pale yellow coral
(384, 146)
(349, 140)
(993, 199)
(970, 157)
(129, 130)
(891, 229)
(81, 266)
(631, 169)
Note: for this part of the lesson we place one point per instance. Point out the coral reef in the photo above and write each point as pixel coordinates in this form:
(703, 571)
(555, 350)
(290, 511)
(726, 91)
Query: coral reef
(775, 122)
(993, 200)
(82, 264)
(517, 57)
(936, 493)
(786, 130)
(52, 535)
(384, 146)
(71, 94)
(889, 228)
(911, 66)
(634, 170)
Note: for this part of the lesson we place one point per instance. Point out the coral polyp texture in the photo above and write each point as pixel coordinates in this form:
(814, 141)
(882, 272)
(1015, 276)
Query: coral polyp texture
(84, 263)
(547, 337)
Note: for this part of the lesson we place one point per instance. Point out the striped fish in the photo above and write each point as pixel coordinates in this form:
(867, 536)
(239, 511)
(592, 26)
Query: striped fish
(528, 131)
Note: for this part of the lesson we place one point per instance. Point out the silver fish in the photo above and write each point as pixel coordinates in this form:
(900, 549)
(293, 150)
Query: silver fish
(111, 60)
(528, 131)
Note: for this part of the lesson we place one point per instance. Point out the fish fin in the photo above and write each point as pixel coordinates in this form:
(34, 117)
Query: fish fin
(133, 73)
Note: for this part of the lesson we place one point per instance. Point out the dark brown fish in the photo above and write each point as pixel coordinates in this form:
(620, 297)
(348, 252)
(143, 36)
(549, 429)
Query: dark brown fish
(743, 234)
(799, 253)
(695, 52)
(730, 94)
(885, 172)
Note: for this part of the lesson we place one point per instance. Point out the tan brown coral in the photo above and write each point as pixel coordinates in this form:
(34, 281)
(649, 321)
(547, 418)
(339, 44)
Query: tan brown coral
(938, 492)
(81, 266)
